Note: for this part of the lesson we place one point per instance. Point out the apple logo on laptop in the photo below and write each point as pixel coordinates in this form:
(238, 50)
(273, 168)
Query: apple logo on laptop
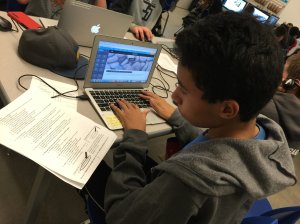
(95, 29)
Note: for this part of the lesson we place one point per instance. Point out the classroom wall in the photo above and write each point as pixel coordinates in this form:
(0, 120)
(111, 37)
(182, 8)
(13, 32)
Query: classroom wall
(291, 13)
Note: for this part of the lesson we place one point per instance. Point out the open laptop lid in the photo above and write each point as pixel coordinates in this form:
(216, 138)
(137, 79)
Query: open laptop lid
(117, 63)
(83, 21)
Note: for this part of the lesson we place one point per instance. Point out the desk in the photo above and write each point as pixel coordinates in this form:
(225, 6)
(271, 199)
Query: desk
(12, 66)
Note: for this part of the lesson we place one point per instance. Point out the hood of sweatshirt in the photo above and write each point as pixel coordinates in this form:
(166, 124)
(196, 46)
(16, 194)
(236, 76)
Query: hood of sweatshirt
(220, 167)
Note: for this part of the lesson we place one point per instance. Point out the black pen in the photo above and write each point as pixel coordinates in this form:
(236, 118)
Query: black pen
(42, 23)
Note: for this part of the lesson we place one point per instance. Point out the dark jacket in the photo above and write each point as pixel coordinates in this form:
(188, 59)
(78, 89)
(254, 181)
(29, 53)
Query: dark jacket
(198, 12)
(284, 108)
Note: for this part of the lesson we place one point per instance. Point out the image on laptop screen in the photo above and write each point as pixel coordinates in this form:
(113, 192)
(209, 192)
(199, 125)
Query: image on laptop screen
(260, 15)
(235, 5)
(122, 63)
(272, 20)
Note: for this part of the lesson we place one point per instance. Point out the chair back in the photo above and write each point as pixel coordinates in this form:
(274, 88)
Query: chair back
(261, 212)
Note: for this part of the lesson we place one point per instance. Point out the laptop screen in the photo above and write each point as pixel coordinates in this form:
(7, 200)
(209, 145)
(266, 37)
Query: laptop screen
(260, 15)
(272, 20)
(235, 5)
(122, 63)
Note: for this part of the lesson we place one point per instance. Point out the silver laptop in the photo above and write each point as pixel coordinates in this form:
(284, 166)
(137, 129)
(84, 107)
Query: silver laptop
(84, 21)
(120, 68)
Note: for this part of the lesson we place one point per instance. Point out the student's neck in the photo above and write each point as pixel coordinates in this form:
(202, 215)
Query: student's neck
(235, 129)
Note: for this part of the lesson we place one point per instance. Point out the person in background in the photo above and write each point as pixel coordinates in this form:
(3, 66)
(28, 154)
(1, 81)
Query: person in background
(50, 8)
(145, 15)
(282, 36)
(284, 107)
(220, 172)
(202, 9)
(249, 9)
(295, 36)
(294, 32)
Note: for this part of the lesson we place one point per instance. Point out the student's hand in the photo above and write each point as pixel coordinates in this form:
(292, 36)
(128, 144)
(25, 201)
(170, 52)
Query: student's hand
(161, 106)
(130, 115)
(142, 33)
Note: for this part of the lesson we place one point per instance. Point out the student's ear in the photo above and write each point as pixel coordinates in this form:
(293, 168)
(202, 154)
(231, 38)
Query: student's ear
(229, 109)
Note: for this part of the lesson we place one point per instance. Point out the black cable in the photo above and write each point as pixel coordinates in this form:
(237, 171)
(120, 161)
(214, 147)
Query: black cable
(16, 30)
(82, 97)
(84, 46)
(41, 22)
(165, 86)
(77, 86)
(168, 85)
(55, 13)
(83, 55)
(164, 71)
(170, 51)
(21, 27)
(93, 199)
(159, 88)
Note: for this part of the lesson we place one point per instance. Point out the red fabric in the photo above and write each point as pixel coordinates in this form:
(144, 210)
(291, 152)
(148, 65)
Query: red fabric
(293, 45)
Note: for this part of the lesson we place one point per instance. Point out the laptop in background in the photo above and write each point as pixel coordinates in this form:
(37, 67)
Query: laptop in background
(272, 20)
(84, 21)
(120, 68)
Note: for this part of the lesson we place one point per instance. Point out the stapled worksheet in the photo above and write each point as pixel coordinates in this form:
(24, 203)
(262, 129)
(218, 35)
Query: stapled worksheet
(61, 87)
(56, 137)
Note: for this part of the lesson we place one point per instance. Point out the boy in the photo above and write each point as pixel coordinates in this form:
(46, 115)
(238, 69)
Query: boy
(145, 15)
(229, 68)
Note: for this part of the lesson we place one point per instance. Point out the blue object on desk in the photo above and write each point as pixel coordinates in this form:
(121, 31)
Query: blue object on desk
(76, 73)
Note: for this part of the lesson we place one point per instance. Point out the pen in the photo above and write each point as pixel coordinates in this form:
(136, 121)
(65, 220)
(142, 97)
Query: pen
(86, 155)
(42, 23)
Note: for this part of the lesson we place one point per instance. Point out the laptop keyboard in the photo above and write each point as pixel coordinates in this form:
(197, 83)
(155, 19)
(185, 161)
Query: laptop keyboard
(106, 97)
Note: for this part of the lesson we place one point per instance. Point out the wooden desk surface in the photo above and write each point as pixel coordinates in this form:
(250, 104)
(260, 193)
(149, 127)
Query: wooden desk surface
(12, 67)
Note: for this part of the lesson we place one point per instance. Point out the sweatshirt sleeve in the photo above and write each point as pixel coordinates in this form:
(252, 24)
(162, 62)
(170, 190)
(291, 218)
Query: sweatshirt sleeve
(129, 199)
(184, 131)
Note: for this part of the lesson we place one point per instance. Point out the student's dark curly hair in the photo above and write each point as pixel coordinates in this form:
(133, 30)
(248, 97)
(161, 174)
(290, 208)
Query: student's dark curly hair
(232, 56)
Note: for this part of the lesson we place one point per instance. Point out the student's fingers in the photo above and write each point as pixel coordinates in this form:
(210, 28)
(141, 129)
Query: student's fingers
(141, 34)
(147, 95)
(135, 31)
(162, 107)
(130, 115)
(123, 104)
(119, 113)
(148, 34)
(137, 34)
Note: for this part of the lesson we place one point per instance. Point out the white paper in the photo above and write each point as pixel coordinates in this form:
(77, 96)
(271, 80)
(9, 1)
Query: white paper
(64, 142)
(165, 62)
(61, 87)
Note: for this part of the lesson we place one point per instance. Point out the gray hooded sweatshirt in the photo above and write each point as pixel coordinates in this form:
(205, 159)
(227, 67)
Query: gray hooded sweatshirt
(215, 181)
